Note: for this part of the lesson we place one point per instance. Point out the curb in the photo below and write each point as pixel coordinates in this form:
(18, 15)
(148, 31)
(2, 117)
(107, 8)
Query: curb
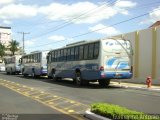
(138, 88)
(92, 116)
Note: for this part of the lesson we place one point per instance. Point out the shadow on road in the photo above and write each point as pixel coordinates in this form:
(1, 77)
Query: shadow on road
(68, 83)
(64, 82)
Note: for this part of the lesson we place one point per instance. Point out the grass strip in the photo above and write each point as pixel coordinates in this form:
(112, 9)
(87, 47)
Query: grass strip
(116, 112)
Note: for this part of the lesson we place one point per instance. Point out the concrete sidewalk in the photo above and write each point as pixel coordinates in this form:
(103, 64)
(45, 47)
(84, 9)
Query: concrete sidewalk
(139, 81)
(136, 85)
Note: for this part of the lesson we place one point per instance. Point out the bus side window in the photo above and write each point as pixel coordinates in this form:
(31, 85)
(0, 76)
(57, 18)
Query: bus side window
(77, 53)
(81, 52)
(35, 58)
(40, 57)
(72, 53)
(52, 56)
(68, 54)
(32, 58)
(29, 58)
(96, 50)
(55, 56)
(58, 55)
(65, 55)
(86, 52)
(26, 59)
(62, 54)
(90, 51)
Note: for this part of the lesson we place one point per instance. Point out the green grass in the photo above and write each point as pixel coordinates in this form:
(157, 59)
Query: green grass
(119, 113)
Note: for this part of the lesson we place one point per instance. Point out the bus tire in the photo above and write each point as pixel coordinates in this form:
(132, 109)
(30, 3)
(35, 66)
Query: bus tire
(25, 75)
(54, 78)
(78, 79)
(104, 83)
(49, 77)
(11, 72)
(33, 74)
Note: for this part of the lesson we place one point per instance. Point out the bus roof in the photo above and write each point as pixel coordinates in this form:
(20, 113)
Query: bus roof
(31, 53)
(85, 42)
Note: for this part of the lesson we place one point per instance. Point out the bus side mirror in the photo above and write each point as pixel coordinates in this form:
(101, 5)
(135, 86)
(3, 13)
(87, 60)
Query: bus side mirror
(132, 52)
(5, 61)
(47, 57)
(20, 60)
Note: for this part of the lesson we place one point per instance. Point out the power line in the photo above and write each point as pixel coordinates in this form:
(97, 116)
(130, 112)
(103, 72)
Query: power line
(103, 27)
(60, 26)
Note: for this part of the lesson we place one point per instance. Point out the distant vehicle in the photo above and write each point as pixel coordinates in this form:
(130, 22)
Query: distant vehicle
(2, 67)
(34, 64)
(100, 60)
(12, 64)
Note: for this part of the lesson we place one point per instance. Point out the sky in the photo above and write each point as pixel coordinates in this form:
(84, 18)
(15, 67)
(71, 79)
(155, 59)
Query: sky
(54, 23)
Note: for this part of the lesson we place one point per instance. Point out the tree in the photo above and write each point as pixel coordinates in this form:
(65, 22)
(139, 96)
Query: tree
(2, 50)
(13, 45)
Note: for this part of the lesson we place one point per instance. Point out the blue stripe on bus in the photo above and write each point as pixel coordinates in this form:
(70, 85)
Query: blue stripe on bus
(111, 61)
(123, 65)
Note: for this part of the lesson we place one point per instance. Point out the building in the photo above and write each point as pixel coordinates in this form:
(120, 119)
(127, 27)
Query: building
(5, 35)
(5, 39)
(155, 24)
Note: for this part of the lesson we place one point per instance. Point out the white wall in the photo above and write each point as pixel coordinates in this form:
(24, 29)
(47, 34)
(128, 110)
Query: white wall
(142, 59)
(145, 53)
(158, 54)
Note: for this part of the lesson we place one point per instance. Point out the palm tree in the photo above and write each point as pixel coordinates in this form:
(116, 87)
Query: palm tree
(2, 50)
(13, 45)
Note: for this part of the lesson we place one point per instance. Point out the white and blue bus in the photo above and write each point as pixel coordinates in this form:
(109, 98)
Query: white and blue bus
(100, 60)
(34, 64)
(12, 64)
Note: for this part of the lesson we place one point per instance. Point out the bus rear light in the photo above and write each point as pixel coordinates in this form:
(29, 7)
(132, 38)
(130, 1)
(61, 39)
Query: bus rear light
(102, 74)
(101, 68)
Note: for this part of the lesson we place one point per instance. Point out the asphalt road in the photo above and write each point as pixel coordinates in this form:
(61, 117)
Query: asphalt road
(139, 100)
(14, 104)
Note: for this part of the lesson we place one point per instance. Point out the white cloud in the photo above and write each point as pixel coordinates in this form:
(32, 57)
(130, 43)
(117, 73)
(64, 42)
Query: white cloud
(56, 38)
(107, 30)
(29, 43)
(153, 16)
(125, 4)
(12, 11)
(7, 22)
(4, 2)
(84, 12)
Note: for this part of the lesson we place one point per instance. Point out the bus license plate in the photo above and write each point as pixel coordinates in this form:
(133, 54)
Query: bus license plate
(118, 75)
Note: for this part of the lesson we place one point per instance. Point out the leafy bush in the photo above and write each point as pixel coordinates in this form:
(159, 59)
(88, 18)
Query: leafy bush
(116, 112)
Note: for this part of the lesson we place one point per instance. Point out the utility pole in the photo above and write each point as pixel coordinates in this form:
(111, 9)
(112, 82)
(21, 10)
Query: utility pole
(23, 34)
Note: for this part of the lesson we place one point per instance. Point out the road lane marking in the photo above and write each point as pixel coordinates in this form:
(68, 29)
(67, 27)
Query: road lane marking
(64, 105)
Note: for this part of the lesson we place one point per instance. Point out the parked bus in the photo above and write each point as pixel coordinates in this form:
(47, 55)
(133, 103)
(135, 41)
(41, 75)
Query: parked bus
(85, 61)
(12, 64)
(34, 64)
